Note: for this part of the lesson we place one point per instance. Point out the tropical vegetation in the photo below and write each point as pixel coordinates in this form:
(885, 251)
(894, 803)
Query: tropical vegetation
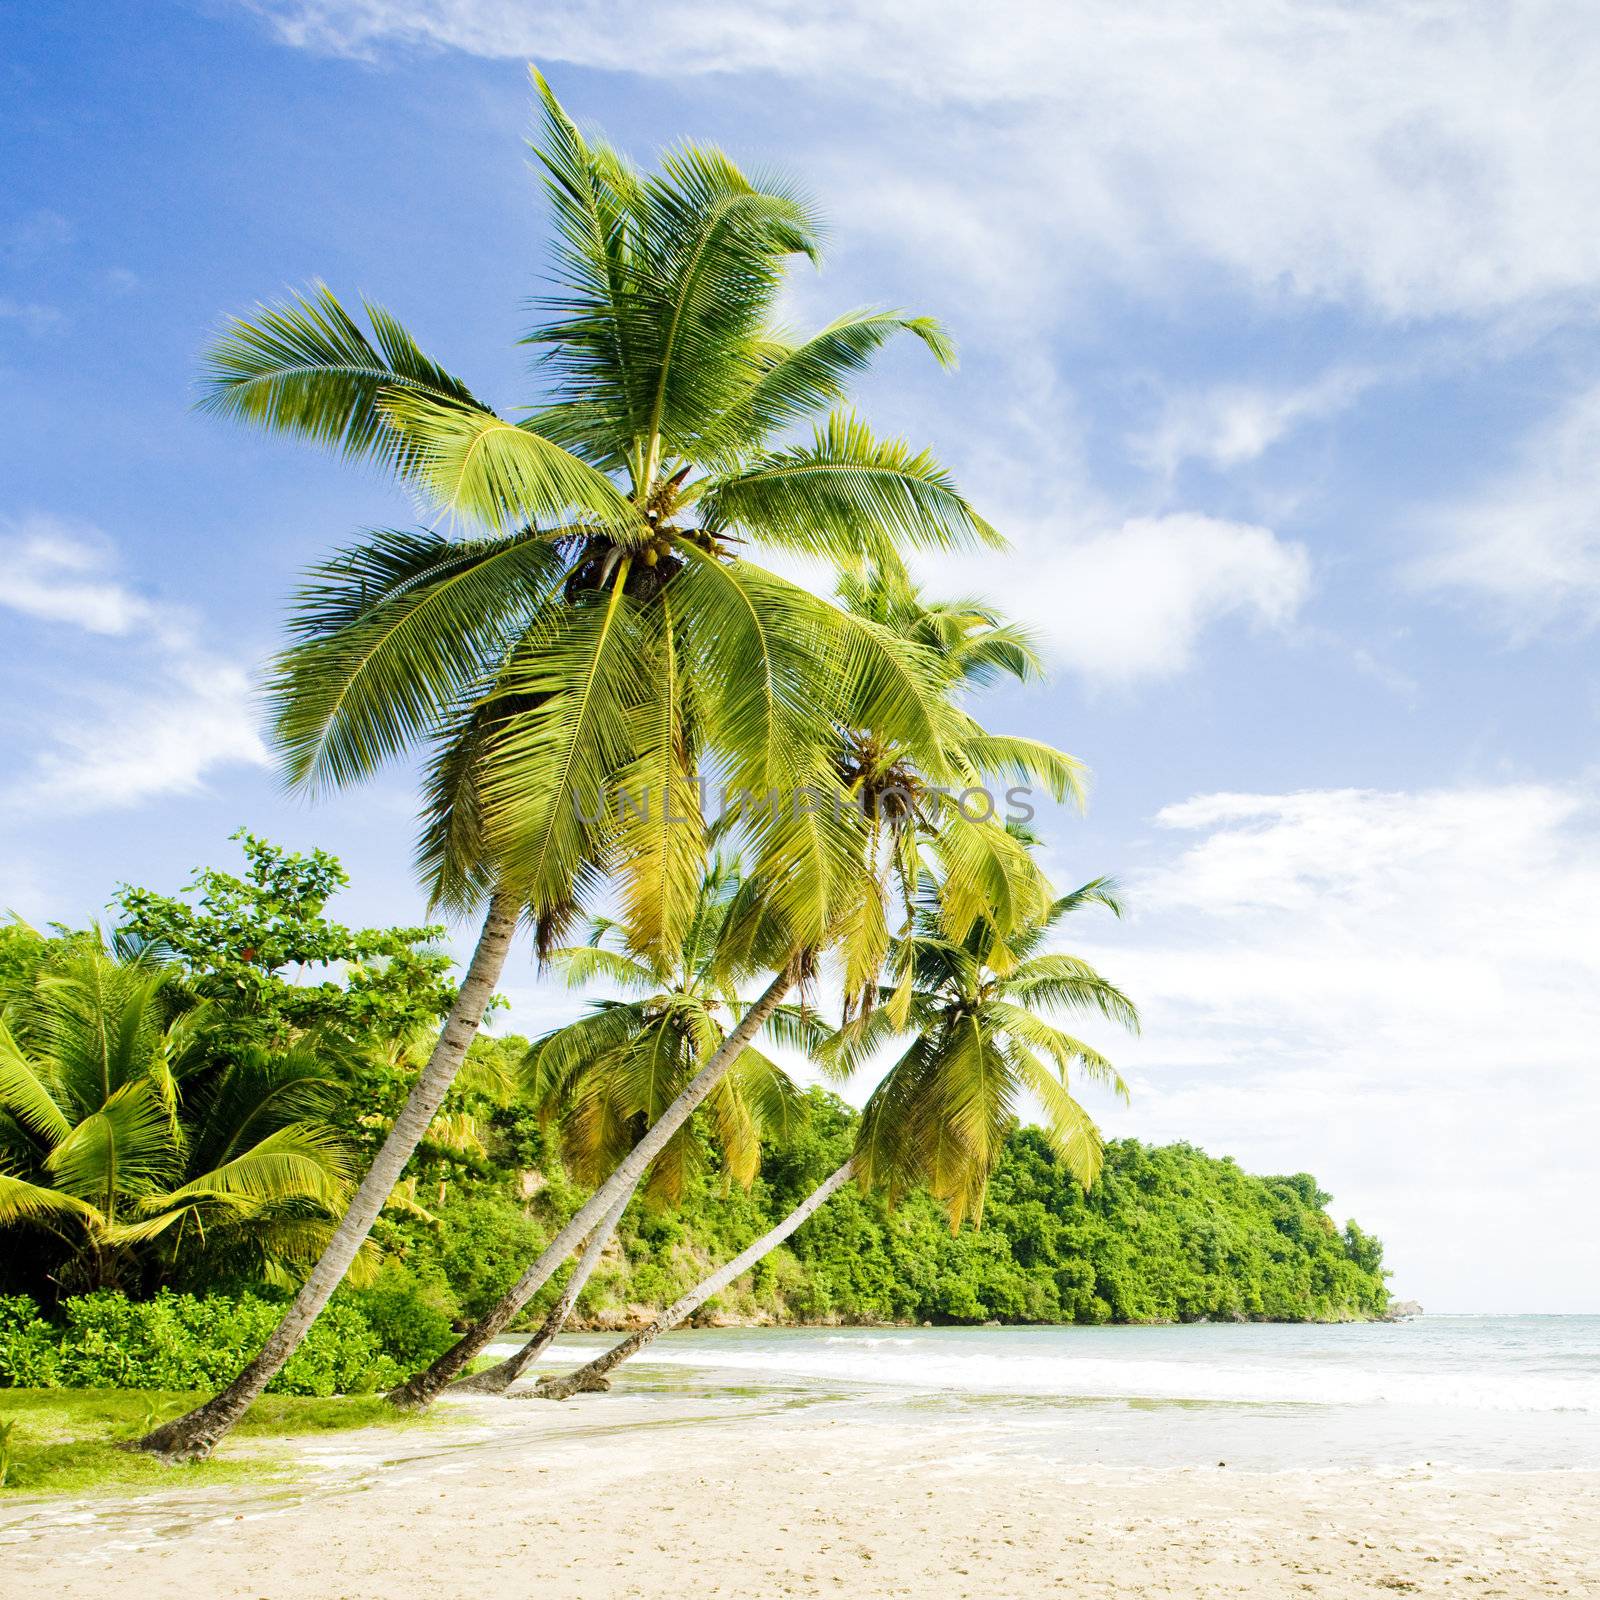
(1167, 1234)
(591, 624)
(245, 1147)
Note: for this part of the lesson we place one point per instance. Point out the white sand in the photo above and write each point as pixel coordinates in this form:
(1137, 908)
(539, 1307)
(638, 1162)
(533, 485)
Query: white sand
(658, 1494)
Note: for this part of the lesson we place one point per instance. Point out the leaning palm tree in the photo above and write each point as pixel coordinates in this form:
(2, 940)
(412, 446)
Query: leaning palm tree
(610, 1074)
(981, 1046)
(139, 1148)
(989, 878)
(596, 629)
(971, 640)
(940, 1115)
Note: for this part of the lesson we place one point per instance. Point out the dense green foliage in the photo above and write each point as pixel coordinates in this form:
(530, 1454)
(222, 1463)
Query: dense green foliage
(1164, 1234)
(1167, 1234)
(260, 949)
(169, 1097)
(180, 1341)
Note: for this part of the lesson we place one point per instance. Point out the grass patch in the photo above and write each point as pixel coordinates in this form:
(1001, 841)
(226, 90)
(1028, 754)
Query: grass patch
(65, 1441)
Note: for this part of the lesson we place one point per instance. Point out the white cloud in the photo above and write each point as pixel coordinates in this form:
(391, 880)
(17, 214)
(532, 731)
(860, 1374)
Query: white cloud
(1528, 541)
(162, 737)
(1131, 602)
(54, 570)
(171, 712)
(36, 234)
(1228, 425)
(30, 315)
(1399, 992)
(1415, 158)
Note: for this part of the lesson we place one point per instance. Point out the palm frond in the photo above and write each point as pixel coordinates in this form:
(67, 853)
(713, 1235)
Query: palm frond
(390, 634)
(546, 787)
(589, 343)
(711, 247)
(496, 474)
(847, 497)
(1063, 1049)
(801, 1028)
(123, 1149)
(793, 382)
(305, 367)
(22, 1201)
(1105, 892)
(1029, 761)
(660, 826)
(300, 1161)
(26, 1093)
(1070, 1129)
(988, 875)
(584, 964)
(1070, 983)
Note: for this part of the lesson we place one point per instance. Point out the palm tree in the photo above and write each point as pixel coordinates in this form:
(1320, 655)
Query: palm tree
(970, 639)
(981, 1046)
(138, 1147)
(613, 1072)
(989, 878)
(597, 630)
(941, 1113)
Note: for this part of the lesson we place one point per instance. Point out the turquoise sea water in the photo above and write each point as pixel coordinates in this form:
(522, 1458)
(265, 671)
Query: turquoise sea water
(1517, 1393)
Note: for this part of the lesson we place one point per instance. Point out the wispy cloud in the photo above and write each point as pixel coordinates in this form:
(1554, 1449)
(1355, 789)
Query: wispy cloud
(35, 234)
(31, 315)
(1414, 159)
(1230, 424)
(1398, 991)
(1120, 604)
(119, 746)
(1527, 542)
(57, 571)
(174, 711)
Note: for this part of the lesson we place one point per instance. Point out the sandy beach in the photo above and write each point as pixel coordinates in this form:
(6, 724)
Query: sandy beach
(731, 1492)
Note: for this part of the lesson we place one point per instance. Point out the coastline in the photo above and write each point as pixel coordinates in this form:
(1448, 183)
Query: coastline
(631, 1318)
(657, 1492)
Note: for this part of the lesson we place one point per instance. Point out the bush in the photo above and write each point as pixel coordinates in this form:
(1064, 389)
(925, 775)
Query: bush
(186, 1342)
(412, 1316)
(484, 1244)
(29, 1358)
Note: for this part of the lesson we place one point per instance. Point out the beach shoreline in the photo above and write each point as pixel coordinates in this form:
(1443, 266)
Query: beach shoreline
(659, 1491)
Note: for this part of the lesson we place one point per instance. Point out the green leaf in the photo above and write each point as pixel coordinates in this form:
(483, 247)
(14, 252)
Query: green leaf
(548, 779)
(846, 497)
(305, 367)
(480, 469)
(792, 382)
(123, 1149)
(26, 1094)
(392, 633)
(21, 1201)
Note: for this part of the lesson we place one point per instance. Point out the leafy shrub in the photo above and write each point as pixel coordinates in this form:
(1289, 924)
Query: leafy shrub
(412, 1316)
(29, 1358)
(186, 1342)
(484, 1244)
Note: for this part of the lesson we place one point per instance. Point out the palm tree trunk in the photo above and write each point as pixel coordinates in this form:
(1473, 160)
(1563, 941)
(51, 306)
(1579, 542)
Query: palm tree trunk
(498, 1379)
(191, 1437)
(422, 1389)
(593, 1376)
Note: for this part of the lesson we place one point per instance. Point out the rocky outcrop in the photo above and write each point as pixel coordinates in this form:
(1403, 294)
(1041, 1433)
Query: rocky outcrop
(1401, 1311)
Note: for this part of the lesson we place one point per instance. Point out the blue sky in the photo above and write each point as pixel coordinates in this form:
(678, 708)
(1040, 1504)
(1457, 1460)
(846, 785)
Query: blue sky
(1280, 369)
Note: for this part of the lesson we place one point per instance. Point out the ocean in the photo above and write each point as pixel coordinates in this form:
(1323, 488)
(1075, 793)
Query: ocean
(1471, 1392)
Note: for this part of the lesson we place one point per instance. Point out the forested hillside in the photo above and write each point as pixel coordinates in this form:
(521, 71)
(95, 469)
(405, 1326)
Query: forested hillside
(1168, 1233)
(184, 1107)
